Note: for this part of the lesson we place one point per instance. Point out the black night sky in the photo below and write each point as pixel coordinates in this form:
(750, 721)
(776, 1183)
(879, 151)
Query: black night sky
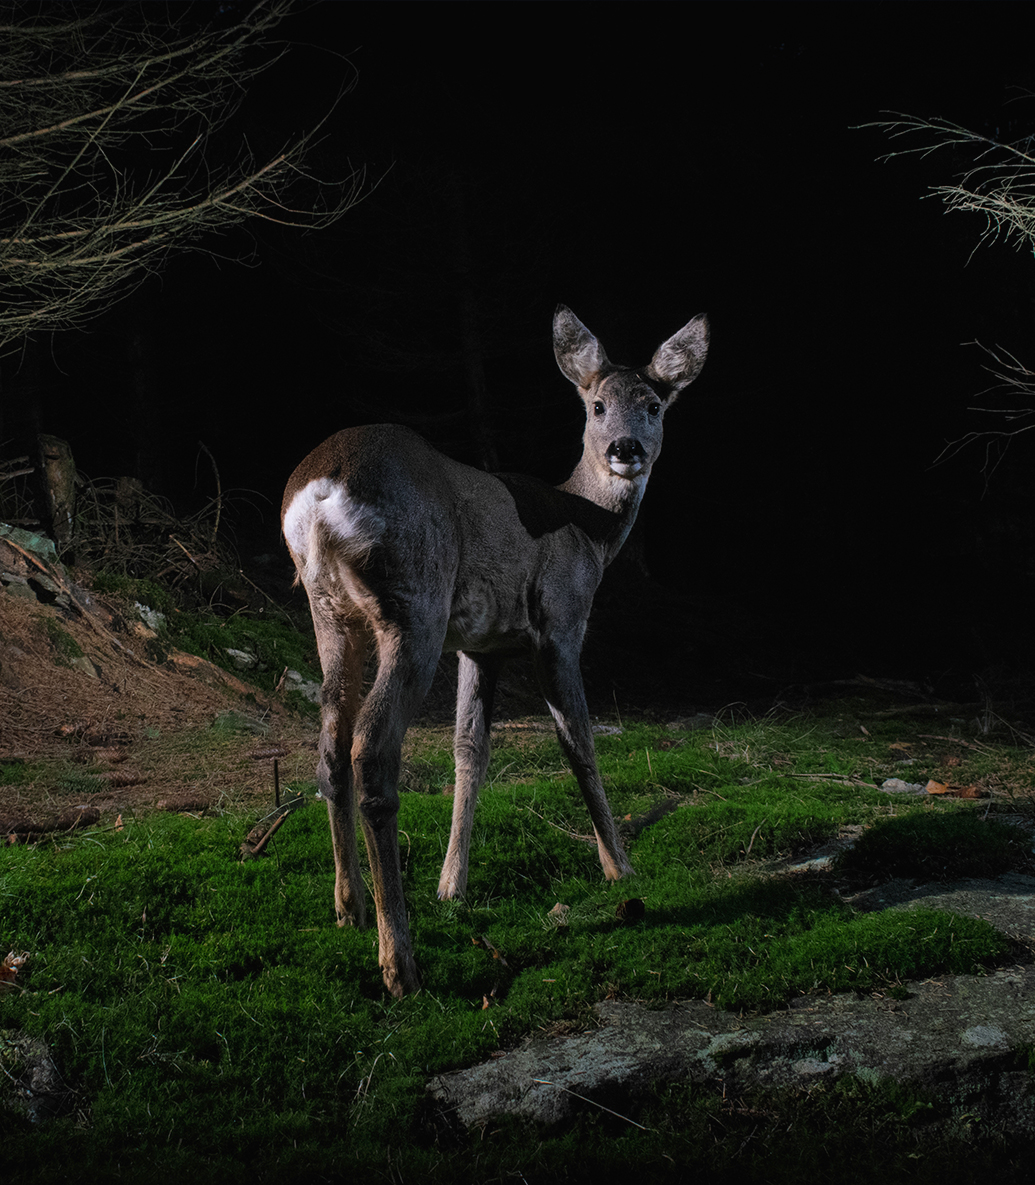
(640, 162)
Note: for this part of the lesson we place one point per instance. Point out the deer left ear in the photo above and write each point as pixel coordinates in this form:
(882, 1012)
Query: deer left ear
(677, 362)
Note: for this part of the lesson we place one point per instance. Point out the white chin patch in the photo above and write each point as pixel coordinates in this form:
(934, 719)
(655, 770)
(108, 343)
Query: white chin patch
(625, 468)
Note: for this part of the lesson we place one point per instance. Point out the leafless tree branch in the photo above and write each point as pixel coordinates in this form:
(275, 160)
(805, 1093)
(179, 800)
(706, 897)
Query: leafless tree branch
(109, 158)
(1000, 186)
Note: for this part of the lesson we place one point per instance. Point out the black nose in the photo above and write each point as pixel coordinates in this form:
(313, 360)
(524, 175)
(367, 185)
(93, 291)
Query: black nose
(626, 449)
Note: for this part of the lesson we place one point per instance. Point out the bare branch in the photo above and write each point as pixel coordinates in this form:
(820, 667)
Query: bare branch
(109, 147)
(999, 185)
(1012, 377)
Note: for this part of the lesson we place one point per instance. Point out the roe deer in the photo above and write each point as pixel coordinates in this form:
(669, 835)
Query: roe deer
(401, 546)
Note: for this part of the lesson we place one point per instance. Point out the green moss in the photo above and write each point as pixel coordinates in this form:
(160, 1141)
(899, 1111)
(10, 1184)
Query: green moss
(935, 845)
(147, 592)
(214, 1012)
(62, 642)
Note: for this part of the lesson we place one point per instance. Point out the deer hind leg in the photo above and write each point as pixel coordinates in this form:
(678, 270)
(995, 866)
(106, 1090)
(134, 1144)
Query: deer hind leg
(342, 643)
(561, 681)
(476, 687)
(406, 666)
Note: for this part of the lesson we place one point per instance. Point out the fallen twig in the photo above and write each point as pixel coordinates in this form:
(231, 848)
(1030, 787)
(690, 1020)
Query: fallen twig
(840, 779)
(185, 552)
(251, 848)
(491, 949)
(932, 736)
(592, 1103)
(576, 835)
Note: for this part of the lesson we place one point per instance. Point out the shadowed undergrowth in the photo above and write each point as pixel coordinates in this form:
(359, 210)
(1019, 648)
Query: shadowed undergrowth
(211, 1019)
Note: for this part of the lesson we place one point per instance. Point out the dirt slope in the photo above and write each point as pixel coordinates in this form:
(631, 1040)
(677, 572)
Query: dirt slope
(92, 721)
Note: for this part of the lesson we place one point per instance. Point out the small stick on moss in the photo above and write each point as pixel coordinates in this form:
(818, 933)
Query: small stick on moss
(838, 779)
(932, 736)
(250, 849)
(571, 834)
(616, 1114)
(491, 949)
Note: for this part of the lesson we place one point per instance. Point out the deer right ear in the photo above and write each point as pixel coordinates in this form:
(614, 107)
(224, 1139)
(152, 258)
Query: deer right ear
(679, 360)
(579, 355)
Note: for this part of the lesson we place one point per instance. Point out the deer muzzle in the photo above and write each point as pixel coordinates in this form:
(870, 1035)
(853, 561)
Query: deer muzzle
(626, 457)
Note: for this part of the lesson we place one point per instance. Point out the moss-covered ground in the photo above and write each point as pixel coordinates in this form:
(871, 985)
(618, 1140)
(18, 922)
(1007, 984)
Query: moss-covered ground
(212, 1022)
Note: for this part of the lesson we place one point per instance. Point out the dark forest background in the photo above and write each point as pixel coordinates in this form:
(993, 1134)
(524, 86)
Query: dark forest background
(641, 163)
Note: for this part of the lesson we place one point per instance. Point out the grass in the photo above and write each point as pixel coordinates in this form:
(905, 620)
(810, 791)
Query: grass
(213, 1020)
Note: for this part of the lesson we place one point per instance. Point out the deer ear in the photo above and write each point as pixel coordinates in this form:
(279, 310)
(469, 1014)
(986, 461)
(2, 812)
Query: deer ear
(579, 355)
(678, 361)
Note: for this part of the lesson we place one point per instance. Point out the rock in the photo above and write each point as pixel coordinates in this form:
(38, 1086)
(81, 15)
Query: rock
(958, 1036)
(293, 681)
(897, 786)
(154, 620)
(928, 1041)
(31, 1083)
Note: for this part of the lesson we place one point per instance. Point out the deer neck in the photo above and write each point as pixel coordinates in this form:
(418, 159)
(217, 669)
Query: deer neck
(619, 496)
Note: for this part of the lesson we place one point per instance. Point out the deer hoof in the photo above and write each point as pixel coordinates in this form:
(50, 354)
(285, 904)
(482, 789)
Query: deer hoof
(401, 979)
(351, 917)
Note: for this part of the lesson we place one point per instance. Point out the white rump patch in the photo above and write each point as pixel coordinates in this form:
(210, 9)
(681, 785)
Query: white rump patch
(323, 521)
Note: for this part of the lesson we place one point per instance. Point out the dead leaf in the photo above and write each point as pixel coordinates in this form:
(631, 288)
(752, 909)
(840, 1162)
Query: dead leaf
(559, 914)
(971, 791)
(10, 966)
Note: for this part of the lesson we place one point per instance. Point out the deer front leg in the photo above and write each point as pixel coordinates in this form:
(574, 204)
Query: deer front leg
(476, 687)
(561, 681)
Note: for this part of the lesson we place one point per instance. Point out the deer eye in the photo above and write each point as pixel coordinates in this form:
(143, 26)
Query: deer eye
(598, 408)
(653, 409)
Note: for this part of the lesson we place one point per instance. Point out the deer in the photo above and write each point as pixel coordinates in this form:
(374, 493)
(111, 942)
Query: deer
(408, 551)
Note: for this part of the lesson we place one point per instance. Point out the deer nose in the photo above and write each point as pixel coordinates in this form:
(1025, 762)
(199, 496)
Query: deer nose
(626, 449)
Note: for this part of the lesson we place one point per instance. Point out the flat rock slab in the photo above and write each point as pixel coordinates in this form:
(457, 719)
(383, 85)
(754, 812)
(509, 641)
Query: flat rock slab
(966, 1037)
